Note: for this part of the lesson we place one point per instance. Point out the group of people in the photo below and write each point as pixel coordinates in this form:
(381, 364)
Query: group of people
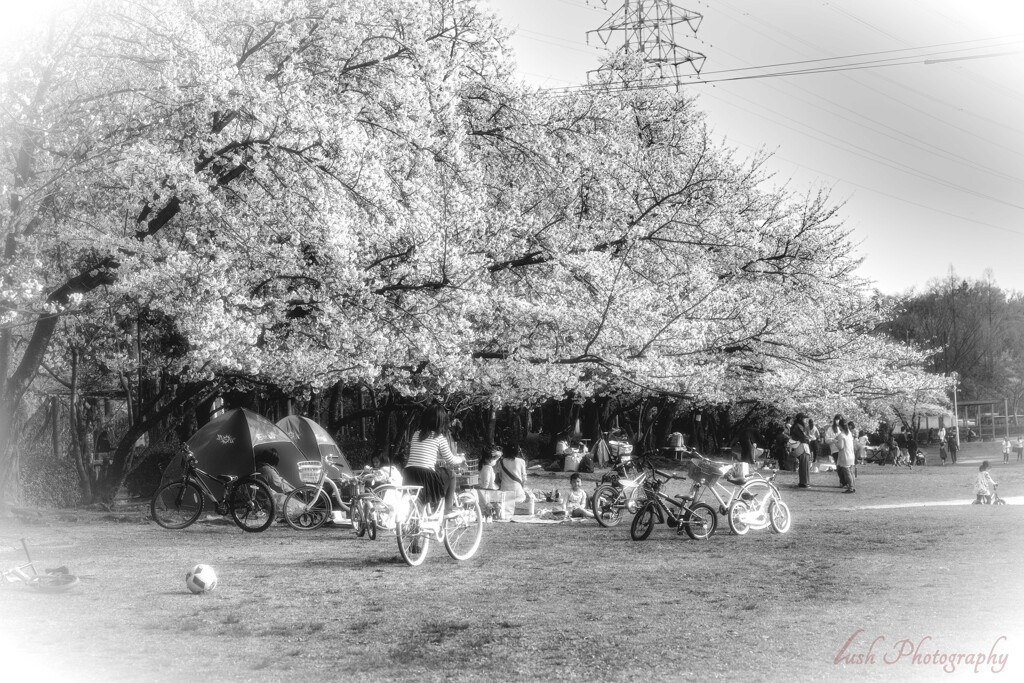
(1017, 447)
(840, 443)
(503, 470)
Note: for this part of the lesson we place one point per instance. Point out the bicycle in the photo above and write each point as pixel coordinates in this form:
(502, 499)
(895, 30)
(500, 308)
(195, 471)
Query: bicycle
(374, 504)
(994, 499)
(698, 520)
(759, 505)
(707, 474)
(51, 581)
(418, 523)
(622, 488)
(311, 505)
(180, 503)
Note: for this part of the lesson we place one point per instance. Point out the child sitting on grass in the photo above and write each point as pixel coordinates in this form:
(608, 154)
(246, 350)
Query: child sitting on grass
(576, 500)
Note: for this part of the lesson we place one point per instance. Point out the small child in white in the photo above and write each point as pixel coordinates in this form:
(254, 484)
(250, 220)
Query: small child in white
(984, 485)
(1006, 449)
(576, 500)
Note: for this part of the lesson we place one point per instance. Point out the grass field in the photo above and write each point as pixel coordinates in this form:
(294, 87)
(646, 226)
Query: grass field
(561, 602)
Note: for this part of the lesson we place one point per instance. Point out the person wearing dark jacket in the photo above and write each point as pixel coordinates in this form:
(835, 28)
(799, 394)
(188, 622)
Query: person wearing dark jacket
(798, 433)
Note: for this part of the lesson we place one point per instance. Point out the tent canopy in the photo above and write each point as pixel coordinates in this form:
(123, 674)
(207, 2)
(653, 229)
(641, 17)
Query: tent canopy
(230, 443)
(314, 441)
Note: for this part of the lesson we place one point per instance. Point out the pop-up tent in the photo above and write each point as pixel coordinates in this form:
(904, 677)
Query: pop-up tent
(230, 443)
(314, 441)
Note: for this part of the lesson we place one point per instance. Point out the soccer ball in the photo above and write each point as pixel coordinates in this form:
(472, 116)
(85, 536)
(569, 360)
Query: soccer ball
(201, 579)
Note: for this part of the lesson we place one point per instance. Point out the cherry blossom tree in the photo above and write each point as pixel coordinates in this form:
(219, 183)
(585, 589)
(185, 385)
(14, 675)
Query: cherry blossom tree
(319, 192)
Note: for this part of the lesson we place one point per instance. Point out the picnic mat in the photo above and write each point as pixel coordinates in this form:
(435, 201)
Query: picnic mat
(533, 519)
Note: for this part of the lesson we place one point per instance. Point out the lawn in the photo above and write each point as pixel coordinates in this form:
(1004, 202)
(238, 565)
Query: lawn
(561, 602)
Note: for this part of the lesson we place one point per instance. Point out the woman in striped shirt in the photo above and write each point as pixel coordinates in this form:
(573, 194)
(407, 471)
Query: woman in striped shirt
(429, 443)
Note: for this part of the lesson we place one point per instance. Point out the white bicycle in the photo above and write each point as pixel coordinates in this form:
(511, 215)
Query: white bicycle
(420, 523)
(758, 505)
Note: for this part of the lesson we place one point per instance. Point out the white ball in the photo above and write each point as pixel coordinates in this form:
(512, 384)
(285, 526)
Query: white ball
(201, 579)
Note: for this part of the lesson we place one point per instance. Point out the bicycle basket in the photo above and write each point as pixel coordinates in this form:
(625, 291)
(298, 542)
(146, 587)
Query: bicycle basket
(310, 471)
(469, 474)
(706, 471)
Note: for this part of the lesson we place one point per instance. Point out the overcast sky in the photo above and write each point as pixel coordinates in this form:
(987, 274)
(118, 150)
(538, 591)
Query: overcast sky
(927, 154)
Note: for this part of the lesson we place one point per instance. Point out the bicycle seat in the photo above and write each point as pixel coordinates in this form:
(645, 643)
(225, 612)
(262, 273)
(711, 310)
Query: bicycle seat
(225, 478)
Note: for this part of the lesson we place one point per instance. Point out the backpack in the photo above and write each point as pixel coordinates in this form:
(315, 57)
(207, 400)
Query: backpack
(586, 464)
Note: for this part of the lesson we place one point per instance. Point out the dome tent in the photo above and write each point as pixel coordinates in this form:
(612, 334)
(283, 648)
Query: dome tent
(230, 443)
(314, 441)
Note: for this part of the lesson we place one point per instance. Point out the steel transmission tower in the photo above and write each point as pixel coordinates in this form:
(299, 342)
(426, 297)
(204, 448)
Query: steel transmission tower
(648, 31)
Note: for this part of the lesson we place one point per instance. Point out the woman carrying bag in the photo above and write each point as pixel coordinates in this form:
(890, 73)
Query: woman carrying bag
(512, 473)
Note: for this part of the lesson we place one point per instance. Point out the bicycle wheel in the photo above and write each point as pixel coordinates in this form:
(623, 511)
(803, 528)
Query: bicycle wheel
(779, 517)
(643, 523)
(53, 583)
(177, 505)
(737, 510)
(306, 508)
(413, 543)
(700, 522)
(607, 505)
(357, 513)
(371, 526)
(462, 534)
(251, 505)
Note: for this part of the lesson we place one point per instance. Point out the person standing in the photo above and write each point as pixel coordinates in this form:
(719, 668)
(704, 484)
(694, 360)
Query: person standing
(748, 444)
(1020, 448)
(831, 437)
(845, 457)
(814, 436)
(953, 446)
(798, 433)
(1006, 449)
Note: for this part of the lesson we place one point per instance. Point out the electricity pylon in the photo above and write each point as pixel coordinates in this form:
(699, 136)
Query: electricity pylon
(648, 31)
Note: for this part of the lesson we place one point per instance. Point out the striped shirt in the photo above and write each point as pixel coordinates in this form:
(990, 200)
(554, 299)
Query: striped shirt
(424, 453)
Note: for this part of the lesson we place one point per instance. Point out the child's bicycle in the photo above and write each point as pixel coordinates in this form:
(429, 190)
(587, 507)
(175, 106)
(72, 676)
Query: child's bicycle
(51, 581)
(759, 505)
(374, 504)
(420, 523)
(698, 520)
(179, 503)
(994, 499)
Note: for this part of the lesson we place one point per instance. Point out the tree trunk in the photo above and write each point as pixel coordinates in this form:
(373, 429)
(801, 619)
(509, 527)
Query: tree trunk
(77, 429)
